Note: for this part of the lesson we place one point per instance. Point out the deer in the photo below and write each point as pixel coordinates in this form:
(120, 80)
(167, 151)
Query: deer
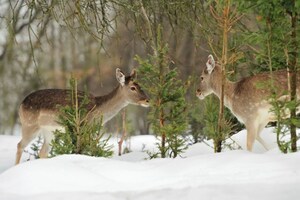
(39, 110)
(247, 99)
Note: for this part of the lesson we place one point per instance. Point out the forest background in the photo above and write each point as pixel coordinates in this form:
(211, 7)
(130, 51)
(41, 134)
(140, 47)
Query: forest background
(44, 43)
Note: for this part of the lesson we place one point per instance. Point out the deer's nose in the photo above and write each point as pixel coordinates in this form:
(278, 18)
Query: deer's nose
(145, 103)
(198, 92)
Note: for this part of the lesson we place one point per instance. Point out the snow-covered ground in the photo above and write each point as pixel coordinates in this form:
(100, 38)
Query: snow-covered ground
(200, 174)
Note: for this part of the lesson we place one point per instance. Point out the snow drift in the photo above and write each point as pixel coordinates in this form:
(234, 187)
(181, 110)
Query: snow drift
(199, 175)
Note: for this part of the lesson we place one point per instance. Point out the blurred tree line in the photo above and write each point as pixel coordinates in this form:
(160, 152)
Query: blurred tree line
(43, 42)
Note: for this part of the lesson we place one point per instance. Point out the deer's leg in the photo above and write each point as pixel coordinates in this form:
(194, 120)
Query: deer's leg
(251, 135)
(258, 137)
(48, 136)
(44, 150)
(28, 134)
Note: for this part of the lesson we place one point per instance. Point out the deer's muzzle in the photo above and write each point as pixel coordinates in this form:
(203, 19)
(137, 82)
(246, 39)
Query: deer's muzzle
(199, 94)
(144, 103)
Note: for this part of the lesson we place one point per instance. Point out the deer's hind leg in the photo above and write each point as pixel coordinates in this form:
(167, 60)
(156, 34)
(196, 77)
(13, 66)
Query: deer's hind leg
(252, 130)
(47, 133)
(45, 149)
(258, 137)
(28, 134)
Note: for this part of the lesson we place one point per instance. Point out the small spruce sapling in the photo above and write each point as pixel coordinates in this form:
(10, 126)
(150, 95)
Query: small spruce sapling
(35, 148)
(220, 140)
(168, 114)
(80, 136)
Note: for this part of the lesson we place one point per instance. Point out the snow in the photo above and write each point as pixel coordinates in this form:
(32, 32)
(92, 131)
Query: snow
(199, 174)
(8, 147)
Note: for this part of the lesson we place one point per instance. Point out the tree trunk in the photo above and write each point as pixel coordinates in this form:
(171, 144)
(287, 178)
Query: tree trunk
(226, 29)
(218, 146)
(163, 135)
(293, 78)
(77, 119)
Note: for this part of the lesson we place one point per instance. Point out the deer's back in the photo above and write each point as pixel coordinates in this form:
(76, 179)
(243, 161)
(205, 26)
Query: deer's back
(251, 95)
(53, 100)
(262, 85)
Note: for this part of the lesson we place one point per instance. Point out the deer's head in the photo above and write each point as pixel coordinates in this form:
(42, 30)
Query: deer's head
(207, 79)
(131, 90)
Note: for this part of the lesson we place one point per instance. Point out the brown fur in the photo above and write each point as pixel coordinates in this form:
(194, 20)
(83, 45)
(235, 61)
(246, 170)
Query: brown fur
(39, 110)
(248, 99)
(53, 99)
(262, 83)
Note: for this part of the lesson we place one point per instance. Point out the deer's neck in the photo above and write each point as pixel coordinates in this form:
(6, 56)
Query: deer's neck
(109, 105)
(228, 90)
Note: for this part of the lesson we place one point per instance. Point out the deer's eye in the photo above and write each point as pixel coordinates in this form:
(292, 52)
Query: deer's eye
(132, 88)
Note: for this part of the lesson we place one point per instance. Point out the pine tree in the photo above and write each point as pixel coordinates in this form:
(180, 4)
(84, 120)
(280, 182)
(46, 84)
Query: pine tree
(219, 31)
(79, 136)
(210, 130)
(168, 113)
(276, 45)
(35, 148)
(196, 120)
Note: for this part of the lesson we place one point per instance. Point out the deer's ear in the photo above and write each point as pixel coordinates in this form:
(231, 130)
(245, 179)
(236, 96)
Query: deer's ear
(210, 64)
(120, 76)
(133, 74)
